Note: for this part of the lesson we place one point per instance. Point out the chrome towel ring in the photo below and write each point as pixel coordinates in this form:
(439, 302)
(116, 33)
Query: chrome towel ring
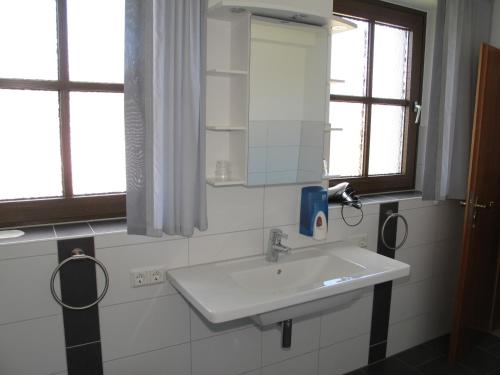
(394, 215)
(78, 254)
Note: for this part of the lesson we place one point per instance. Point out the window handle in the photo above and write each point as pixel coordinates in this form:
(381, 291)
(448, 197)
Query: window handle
(417, 108)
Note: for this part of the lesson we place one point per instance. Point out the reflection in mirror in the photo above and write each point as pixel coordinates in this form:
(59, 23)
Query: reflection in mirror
(288, 98)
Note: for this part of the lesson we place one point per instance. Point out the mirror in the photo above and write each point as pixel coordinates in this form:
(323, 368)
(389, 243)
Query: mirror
(288, 102)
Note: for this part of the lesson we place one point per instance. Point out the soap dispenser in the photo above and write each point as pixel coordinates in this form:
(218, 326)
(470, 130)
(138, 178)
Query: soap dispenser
(314, 212)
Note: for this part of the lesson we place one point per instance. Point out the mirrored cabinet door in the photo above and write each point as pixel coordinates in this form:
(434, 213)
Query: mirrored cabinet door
(287, 103)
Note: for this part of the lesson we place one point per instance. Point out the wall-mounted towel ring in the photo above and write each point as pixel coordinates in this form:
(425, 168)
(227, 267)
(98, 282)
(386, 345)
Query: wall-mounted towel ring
(78, 254)
(394, 215)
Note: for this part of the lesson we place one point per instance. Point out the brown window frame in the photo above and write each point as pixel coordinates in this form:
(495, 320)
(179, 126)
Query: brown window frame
(375, 11)
(68, 207)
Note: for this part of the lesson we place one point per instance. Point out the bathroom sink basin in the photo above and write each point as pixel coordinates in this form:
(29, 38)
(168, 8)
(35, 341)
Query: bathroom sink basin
(305, 281)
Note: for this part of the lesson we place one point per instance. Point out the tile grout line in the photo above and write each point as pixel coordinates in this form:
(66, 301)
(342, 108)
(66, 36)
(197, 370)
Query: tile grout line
(84, 344)
(30, 319)
(190, 339)
(146, 352)
(319, 342)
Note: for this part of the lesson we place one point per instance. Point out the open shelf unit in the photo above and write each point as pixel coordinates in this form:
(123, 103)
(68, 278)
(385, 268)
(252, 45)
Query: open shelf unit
(228, 49)
(225, 128)
(228, 72)
(212, 181)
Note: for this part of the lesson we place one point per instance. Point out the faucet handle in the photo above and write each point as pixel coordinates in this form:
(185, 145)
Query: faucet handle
(276, 235)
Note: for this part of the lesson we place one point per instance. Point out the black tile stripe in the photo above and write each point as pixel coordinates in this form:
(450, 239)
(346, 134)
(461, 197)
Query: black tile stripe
(377, 352)
(381, 309)
(85, 359)
(81, 327)
(382, 292)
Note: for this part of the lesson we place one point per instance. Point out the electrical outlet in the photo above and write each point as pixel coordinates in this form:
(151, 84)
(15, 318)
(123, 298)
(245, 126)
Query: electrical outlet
(139, 277)
(146, 276)
(157, 276)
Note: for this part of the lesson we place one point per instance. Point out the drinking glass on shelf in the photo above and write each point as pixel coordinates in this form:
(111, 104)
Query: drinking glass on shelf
(223, 170)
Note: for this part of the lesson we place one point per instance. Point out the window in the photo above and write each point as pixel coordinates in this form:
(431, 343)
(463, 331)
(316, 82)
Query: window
(376, 76)
(62, 152)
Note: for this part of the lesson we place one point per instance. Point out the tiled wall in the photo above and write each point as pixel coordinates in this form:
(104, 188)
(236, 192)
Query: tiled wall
(152, 330)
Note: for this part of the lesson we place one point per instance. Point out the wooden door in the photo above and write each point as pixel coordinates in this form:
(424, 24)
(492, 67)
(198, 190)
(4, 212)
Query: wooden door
(474, 305)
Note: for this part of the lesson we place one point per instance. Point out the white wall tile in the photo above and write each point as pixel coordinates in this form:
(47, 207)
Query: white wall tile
(301, 365)
(201, 328)
(305, 338)
(174, 360)
(443, 294)
(141, 326)
(225, 246)
(411, 300)
(420, 258)
(28, 249)
(446, 259)
(120, 260)
(344, 323)
(24, 288)
(339, 231)
(124, 239)
(449, 220)
(334, 212)
(282, 205)
(33, 347)
(408, 333)
(344, 357)
(229, 354)
(421, 226)
(412, 203)
(233, 208)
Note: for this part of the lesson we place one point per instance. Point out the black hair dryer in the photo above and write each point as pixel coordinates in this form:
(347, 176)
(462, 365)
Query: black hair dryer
(343, 193)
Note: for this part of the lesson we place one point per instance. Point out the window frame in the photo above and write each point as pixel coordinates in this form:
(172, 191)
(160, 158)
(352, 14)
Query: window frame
(375, 11)
(68, 207)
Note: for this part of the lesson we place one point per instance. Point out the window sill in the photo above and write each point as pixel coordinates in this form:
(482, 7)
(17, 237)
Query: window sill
(67, 231)
(385, 197)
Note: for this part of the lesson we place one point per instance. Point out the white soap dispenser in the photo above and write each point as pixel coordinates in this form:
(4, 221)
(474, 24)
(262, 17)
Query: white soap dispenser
(320, 226)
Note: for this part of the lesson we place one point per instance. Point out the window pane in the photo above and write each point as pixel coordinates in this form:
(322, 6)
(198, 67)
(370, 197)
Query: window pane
(30, 158)
(349, 58)
(28, 39)
(97, 142)
(390, 62)
(96, 39)
(346, 145)
(386, 139)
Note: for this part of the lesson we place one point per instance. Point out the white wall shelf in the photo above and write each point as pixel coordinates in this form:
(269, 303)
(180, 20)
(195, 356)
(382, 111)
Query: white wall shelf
(212, 181)
(223, 128)
(228, 48)
(226, 72)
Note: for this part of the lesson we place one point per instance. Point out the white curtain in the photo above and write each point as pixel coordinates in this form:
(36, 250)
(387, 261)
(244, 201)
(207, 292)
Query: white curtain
(461, 26)
(164, 116)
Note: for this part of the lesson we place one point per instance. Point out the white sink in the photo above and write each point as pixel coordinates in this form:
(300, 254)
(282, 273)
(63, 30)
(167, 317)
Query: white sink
(306, 281)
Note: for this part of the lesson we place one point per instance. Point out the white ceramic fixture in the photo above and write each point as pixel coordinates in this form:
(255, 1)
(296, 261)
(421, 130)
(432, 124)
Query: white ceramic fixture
(307, 280)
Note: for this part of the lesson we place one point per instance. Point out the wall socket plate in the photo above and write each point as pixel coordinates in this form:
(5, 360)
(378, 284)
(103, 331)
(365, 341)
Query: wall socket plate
(146, 276)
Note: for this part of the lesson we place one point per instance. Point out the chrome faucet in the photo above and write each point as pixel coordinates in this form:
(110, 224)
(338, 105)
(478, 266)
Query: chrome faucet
(274, 245)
